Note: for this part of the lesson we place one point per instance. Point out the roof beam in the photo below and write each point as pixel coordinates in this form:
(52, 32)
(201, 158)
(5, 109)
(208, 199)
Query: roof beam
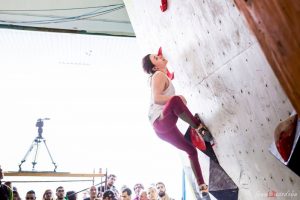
(52, 174)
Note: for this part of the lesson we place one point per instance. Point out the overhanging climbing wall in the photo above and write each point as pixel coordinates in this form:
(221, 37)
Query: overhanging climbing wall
(221, 69)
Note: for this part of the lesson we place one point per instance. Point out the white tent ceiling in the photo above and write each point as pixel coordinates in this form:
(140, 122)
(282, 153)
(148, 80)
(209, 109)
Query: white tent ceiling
(89, 16)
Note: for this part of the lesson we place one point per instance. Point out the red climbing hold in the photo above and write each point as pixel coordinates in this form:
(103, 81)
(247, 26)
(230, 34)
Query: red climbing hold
(164, 5)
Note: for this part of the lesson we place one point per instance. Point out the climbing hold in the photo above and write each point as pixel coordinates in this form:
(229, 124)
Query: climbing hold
(164, 5)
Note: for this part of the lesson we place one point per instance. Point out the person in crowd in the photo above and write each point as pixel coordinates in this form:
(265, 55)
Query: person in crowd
(108, 195)
(165, 109)
(93, 193)
(137, 189)
(60, 193)
(162, 194)
(110, 185)
(126, 194)
(5, 191)
(152, 193)
(143, 195)
(30, 195)
(48, 195)
(71, 195)
(8, 184)
(16, 195)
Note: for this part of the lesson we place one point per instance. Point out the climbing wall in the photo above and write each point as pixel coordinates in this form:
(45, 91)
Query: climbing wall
(221, 69)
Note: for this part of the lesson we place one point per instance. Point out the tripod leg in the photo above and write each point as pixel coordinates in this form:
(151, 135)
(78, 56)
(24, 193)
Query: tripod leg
(55, 166)
(36, 153)
(27, 153)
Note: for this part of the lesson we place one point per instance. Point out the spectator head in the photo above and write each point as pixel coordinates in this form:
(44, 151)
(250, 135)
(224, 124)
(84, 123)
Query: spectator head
(108, 195)
(152, 193)
(160, 186)
(60, 193)
(124, 187)
(93, 192)
(126, 194)
(8, 184)
(48, 195)
(16, 195)
(30, 195)
(137, 188)
(143, 195)
(111, 179)
(71, 195)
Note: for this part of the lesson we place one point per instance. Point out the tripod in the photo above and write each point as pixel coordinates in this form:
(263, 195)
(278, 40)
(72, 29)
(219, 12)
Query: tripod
(36, 142)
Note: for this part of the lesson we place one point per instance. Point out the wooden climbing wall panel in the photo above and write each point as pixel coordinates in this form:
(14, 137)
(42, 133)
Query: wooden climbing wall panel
(276, 24)
(224, 74)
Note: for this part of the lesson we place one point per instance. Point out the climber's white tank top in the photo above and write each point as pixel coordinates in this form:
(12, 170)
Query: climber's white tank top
(156, 109)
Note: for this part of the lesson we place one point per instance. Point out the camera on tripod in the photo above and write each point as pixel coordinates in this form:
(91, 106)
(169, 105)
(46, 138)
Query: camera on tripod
(36, 142)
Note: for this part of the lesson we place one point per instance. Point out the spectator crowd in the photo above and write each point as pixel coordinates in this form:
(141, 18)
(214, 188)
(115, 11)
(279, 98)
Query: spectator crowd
(103, 192)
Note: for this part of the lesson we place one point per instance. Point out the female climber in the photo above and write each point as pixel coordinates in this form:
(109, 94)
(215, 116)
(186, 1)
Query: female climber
(165, 109)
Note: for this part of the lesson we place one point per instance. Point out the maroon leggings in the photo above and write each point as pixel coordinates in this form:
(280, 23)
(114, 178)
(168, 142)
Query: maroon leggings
(167, 130)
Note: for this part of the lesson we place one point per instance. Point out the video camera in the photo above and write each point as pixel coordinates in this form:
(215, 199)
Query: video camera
(40, 124)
